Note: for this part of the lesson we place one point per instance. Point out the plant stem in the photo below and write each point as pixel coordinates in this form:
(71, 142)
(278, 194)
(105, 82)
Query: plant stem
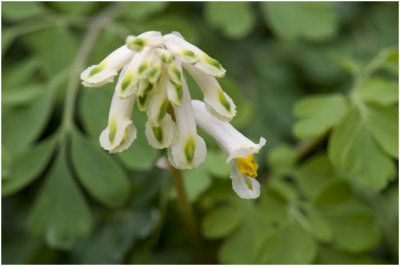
(93, 31)
(186, 209)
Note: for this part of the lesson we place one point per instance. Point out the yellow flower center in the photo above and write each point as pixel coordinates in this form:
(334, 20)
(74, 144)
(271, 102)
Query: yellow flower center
(247, 166)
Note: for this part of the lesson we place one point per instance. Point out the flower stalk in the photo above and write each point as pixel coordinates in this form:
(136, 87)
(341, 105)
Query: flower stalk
(185, 207)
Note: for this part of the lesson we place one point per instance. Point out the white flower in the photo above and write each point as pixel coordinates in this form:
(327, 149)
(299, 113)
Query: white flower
(240, 151)
(137, 70)
(149, 38)
(120, 131)
(189, 149)
(161, 136)
(160, 128)
(152, 76)
(217, 101)
(98, 75)
(193, 55)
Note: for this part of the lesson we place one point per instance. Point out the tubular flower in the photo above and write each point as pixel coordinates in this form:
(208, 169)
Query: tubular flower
(106, 70)
(152, 76)
(240, 150)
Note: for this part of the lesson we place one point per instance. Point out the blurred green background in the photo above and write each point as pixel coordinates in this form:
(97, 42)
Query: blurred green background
(318, 80)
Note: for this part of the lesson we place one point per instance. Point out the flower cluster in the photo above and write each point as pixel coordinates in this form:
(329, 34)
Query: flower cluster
(152, 76)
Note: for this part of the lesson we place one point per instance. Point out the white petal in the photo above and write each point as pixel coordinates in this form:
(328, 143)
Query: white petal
(120, 131)
(155, 69)
(123, 138)
(189, 149)
(138, 68)
(175, 72)
(174, 93)
(161, 136)
(188, 152)
(218, 102)
(158, 102)
(150, 38)
(231, 141)
(174, 85)
(166, 56)
(145, 96)
(98, 75)
(244, 186)
(193, 55)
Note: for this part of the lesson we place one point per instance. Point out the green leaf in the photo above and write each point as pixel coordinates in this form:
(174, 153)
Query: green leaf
(310, 21)
(21, 96)
(17, 11)
(345, 62)
(56, 48)
(5, 164)
(284, 190)
(353, 226)
(216, 165)
(100, 175)
(336, 191)
(196, 181)
(19, 73)
(282, 159)
(241, 246)
(321, 184)
(383, 124)
(318, 227)
(142, 10)
(76, 8)
(273, 207)
(386, 207)
(95, 116)
(288, 245)
(329, 255)
(379, 90)
(8, 35)
(222, 221)
(353, 150)
(314, 174)
(23, 124)
(60, 213)
(27, 166)
(235, 19)
(110, 243)
(318, 113)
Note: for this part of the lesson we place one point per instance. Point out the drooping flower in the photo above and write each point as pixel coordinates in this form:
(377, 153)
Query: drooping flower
(106, 70)
(189, 149)
(120, 131)
(153, 77)
(240, 150)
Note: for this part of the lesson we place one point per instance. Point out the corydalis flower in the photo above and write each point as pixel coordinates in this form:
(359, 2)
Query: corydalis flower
(153, 77)
(240, 150)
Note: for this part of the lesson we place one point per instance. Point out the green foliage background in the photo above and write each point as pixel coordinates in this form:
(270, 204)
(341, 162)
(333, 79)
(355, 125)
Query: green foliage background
(318, 80)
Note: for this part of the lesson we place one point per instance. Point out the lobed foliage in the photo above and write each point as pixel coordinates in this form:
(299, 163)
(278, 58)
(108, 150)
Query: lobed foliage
(318, 80)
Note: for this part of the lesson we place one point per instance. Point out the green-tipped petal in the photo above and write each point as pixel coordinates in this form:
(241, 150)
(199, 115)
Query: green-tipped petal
(104, 72)
(150, 38)
(161, 136)
(127, 84)
(217, 101)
